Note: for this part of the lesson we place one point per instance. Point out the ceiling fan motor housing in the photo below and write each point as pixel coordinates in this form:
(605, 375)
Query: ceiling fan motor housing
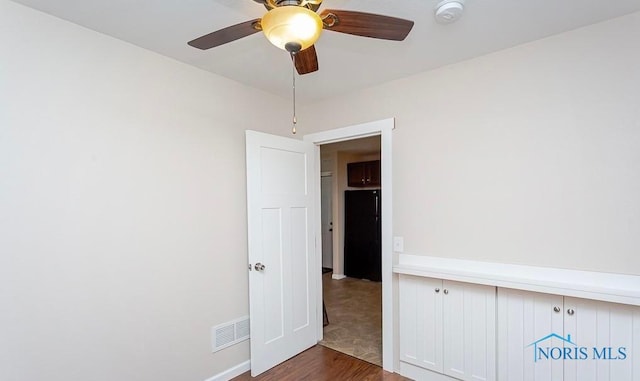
(310, 4)
(281, 3)
(291, 28)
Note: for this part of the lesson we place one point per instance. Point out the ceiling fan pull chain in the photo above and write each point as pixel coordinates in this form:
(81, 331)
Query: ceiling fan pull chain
(293, 70)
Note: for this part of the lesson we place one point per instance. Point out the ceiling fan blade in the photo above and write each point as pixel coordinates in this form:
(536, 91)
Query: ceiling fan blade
(366, 24)
(227, 34)
(306, 61)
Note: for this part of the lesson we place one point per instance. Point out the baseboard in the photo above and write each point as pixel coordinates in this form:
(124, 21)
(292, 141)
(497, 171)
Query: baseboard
(232, 372)
(338, 276)
(416, 373)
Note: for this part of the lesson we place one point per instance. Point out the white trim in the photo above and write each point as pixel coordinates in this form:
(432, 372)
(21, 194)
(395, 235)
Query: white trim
(417, 373)
(232, 372)
(318, 239)
(352, 132)
(607, 287)
(383, 128)
(388, 342)
(338, 276)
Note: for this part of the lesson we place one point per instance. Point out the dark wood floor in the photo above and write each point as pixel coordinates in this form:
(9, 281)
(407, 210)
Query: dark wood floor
(319, 363)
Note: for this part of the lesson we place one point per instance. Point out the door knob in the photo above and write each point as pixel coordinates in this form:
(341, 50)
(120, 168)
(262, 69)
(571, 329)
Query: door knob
(570, 311)
(446, 292)
(259, 266)
(556, 309)
(437, 290)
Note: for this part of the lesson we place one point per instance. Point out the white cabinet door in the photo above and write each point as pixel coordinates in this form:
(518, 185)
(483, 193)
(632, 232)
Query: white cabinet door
(528, 323)
(549, 337)
(421, 322)
(448, 327)
(469, 330)
(605, 335)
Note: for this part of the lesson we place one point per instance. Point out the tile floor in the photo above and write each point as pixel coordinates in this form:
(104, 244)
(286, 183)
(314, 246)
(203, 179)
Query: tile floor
(354, 308)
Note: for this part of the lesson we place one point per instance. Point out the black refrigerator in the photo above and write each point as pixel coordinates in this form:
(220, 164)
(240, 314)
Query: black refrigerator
(362, 248)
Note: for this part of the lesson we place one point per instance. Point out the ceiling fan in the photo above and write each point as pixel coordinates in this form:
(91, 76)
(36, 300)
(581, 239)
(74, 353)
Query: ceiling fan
(294, 26)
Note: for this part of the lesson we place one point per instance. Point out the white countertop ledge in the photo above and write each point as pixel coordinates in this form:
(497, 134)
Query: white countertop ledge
(608, 287)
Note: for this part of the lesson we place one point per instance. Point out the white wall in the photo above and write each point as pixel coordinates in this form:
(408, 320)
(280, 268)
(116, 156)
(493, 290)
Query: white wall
(529, 155)
(122, 206)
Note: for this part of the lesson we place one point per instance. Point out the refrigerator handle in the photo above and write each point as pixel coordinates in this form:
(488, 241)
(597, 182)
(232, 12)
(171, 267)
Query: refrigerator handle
(376, 201)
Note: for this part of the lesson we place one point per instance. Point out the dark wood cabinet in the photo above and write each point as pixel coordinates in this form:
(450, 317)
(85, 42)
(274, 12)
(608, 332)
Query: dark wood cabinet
(364, 174)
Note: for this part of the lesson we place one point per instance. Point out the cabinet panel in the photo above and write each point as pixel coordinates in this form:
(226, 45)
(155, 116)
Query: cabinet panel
(355, 174)
(606, 332)
(363, 174)
(469, 330)
(525, 318)
(421, 321)
(372, 170)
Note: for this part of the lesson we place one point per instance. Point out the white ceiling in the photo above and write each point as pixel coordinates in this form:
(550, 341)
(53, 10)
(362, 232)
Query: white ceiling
(347, 63)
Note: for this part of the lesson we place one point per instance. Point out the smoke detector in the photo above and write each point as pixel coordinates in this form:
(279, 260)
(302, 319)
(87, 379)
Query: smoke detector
(449, 11)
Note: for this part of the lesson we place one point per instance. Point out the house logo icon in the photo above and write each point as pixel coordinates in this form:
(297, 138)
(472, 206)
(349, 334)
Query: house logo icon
(541, 352)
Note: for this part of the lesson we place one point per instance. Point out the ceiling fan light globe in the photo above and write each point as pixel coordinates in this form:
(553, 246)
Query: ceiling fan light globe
(291, 24)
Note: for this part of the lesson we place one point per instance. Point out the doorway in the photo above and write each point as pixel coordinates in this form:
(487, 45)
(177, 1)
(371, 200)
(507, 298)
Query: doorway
(278, 161)
(352, 295)
(384, 129)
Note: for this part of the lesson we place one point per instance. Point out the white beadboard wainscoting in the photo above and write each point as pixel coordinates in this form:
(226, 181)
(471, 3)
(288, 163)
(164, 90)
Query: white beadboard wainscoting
(471, 320)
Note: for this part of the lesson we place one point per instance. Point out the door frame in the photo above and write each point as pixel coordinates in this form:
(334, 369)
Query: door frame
(382, 128)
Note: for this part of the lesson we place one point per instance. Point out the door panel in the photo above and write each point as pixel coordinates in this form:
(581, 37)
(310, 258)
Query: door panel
(284, 172)
(300, 268)
(280, 215)
(273, 296)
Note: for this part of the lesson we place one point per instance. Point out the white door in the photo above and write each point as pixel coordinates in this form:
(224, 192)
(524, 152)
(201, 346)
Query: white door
(326, 190)
(281, 243)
